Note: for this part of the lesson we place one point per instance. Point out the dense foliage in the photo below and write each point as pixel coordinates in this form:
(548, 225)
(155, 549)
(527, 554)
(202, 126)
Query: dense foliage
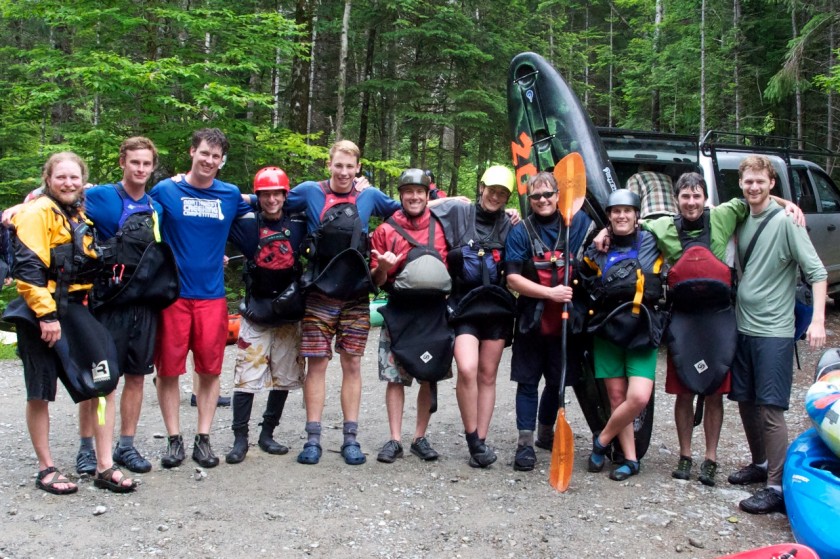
(423, 82)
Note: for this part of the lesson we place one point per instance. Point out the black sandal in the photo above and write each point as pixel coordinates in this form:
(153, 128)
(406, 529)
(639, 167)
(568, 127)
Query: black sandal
(105, 480)
(49, 486)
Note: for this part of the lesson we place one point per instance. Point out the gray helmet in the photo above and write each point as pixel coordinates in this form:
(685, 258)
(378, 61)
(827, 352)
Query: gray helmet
(414, 177)
(623, 197)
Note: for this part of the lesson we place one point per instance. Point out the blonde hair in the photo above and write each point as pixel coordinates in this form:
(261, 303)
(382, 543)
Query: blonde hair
(345, 146)
(57, 158)
(757, 163)
(541, 179)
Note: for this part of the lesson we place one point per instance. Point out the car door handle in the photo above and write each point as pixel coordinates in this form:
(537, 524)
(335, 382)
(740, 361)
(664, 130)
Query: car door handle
(832, 227)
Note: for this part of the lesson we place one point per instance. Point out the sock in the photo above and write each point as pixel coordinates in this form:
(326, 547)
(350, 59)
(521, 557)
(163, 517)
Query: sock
(313, 429)
(351, 428)
(776, 488)
(85, 443)
(126, 441)
(545, 433)
(526, 438)
(472, 439)
(763, 465)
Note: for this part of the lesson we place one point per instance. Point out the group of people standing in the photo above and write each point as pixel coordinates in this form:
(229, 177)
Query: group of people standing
(450, 267)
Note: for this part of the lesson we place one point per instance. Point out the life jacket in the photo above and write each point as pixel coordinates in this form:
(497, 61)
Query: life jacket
(75, 262)
(476, 269)
(423, 271)
(547, 268)
(625, 300)
(698, 279)
(337, 251)
(272, 293)
(138, 266)
(700, 300)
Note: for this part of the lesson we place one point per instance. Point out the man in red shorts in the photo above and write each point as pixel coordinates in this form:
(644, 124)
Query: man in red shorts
(199, 211)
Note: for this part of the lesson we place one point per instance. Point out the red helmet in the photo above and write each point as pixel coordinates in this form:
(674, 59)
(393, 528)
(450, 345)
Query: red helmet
(271, 178)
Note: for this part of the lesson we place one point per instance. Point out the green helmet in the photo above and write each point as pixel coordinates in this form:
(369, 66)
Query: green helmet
(623, 197)
(498, 175)
(414, 177)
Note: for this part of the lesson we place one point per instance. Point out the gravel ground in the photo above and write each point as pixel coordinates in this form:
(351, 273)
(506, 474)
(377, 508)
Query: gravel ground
(271, 505)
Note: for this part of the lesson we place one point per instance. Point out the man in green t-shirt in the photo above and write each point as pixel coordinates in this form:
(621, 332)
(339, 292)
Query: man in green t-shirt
(762, 373)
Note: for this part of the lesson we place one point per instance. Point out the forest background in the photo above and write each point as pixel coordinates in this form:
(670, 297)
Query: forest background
(413, 83)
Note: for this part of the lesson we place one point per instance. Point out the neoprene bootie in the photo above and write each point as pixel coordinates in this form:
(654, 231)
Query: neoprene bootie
(271, 418)
(240, 447)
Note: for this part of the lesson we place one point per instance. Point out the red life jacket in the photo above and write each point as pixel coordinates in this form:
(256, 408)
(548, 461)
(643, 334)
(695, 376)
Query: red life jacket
(549, 266)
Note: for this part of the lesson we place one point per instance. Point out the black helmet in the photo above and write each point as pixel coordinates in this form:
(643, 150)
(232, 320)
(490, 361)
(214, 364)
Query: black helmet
(623, 197)
(430, 174)
(414, 177)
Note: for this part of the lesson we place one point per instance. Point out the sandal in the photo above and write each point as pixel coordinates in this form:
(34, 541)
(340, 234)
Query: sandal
(105, 480)
(629, 468)
(353, 455)
(311, 454)
(49, 486)
(598, 456)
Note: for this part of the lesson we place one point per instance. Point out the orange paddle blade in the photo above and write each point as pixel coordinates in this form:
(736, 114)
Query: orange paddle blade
(570, 174)
(562, 454)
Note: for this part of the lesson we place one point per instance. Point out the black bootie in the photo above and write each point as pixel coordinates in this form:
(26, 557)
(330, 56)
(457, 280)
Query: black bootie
(242, 404)
(240, 447)
(271, 418)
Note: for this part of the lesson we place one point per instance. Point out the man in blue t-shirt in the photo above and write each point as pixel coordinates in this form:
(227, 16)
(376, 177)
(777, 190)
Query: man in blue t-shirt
(199, 213)
(133, 324)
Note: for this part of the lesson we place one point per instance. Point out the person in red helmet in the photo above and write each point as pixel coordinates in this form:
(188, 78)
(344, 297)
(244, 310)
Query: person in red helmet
(268, 347)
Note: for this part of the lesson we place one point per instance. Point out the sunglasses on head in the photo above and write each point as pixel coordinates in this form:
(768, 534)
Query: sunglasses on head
(538, 195)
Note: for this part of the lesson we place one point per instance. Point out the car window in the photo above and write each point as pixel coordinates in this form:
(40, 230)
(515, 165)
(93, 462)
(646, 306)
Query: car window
(802, 191)
(730, 189)
(827, 191)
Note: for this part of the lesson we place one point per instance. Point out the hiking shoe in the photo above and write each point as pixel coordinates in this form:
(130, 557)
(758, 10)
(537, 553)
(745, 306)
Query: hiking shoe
(764, 501)
(683, 470)
(390, 452)
(86, 462)
(629, 468)
(708, 469)
(748, 474)
(132, 460)
(423, 450)
(203, 453)
(481, 456)
(525, 458)
(174, 452)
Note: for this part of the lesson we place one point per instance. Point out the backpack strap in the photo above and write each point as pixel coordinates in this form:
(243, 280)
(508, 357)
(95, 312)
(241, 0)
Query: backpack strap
(146, 200)
(758, 231)
(402, 233)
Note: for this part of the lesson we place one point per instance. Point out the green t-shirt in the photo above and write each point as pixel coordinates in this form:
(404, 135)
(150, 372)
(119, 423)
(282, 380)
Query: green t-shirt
(767, 289)
(723, 220)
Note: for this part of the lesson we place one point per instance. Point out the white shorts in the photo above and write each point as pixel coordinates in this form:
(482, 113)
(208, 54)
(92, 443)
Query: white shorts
(268, 358)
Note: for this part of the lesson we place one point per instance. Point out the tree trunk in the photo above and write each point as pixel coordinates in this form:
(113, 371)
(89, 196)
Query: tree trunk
(612, 69)
(832, 60)
(457, 152)
(656, 94)
(368, 74)
(342, 72)
(736, 56)
(703, 68)
(795, 33)
(299, 96)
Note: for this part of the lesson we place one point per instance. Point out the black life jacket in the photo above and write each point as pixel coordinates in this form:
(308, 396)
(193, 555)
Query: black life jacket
(337, 251)
(137, 266)
(273, 295)
(700, 299)
(625, 300)
(478, 284)
(70, 262)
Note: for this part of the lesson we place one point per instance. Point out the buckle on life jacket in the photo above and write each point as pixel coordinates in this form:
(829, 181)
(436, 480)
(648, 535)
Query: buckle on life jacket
(116, 278)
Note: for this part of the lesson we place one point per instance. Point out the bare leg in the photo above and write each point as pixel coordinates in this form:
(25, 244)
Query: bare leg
(488, 367)
(637, 391)
(351, 386)
(207, 396)
(684, 418)
(86, 420)
(424, 414)
(466, 386)
(169, 399)
(314, 387)
(131, 402)
(394, 403)
(712, 423)
(38, 423)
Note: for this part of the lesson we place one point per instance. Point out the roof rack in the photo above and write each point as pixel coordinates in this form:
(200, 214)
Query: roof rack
(717, 140)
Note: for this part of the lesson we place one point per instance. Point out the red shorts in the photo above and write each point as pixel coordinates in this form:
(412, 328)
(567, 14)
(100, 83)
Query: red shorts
(199, 325)
(673, 384)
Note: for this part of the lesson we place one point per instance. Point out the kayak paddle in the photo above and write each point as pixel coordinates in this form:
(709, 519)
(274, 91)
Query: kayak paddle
(570, 174)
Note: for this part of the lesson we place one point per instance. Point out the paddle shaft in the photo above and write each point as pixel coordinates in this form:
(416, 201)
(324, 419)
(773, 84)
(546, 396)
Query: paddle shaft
(564, 325)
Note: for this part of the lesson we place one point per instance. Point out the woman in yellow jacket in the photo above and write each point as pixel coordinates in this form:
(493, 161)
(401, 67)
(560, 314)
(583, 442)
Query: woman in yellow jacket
(55, 262)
